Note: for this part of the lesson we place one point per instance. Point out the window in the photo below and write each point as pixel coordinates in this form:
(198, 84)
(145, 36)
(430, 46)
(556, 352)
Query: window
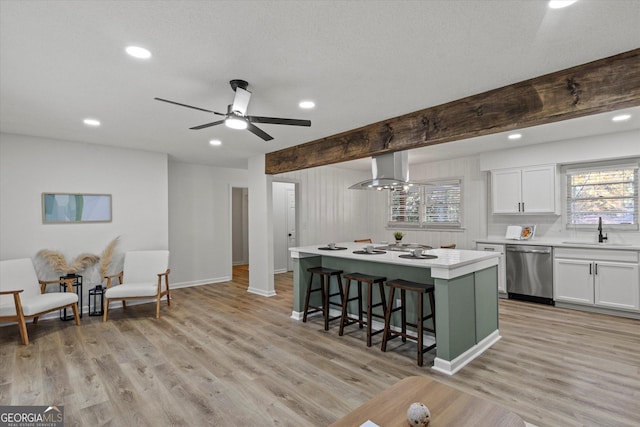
(429, 205)
(609, 192)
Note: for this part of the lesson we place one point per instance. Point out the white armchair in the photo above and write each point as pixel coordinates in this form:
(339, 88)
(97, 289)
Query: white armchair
(138, 280)
(23, 296)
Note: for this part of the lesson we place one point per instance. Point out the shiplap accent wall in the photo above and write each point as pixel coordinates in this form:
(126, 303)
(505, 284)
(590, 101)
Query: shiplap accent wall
(330, 212)
(327, 210)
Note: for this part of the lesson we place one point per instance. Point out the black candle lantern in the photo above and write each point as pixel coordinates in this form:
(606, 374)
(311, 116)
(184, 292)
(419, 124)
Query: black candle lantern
(77, 288)
(96, 301)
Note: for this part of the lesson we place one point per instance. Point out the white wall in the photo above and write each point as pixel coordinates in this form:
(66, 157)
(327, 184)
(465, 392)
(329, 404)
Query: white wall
(200, 222)
(137, 181)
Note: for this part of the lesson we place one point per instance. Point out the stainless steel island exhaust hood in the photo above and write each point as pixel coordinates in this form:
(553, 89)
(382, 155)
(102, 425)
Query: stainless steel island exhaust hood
(390, 171)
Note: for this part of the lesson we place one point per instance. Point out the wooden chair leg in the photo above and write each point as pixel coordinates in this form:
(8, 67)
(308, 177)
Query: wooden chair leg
(35, 320)
(22, 325)
(106, 310)
(158, 307)
(124, 305)
(76, 314)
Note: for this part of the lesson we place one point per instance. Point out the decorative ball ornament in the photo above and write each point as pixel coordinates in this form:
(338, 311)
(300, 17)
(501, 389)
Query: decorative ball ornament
(418, 415)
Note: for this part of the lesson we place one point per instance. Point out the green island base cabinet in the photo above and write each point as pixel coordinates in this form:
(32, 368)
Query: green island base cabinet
(600, 279)
(466, 293)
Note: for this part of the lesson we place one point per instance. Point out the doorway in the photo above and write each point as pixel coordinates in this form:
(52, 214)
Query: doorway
(285, 233)
(240, 227)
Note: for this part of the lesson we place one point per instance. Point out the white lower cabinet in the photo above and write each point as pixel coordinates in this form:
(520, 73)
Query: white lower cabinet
(573, 281)
(595, 279)
(616, 285)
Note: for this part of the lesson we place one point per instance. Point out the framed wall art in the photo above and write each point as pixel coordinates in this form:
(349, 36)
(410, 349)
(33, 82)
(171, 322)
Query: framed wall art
(62, 208)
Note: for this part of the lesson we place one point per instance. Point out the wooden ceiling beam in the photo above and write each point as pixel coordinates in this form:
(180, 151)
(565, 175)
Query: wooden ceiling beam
(604, 85)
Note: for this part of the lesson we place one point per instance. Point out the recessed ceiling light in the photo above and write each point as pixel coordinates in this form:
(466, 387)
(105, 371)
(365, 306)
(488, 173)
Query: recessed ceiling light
(91, 122)
(138, 52)
(559, 4)
(515, 136)
(215, 142)
(621, 117)
(307, 104)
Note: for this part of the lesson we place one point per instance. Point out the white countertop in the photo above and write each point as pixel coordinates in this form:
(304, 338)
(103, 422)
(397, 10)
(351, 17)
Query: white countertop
(449, 264)
(563, 244)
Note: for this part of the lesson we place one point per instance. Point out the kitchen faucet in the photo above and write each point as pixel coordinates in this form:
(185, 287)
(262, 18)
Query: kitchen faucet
(601, 238)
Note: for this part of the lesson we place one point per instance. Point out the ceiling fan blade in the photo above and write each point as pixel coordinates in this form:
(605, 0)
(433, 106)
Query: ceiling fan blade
(278, 121)
(241, 101)
(257, 131)
(189, 106)
(206, 125)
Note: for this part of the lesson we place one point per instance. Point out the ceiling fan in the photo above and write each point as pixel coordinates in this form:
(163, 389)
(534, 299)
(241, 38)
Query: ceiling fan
(236, 115)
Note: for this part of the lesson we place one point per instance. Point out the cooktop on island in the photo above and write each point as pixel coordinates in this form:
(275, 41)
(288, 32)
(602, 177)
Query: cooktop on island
(403, 247)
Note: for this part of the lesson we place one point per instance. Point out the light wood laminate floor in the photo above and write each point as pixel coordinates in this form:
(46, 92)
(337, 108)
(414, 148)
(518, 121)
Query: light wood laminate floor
(220, 356)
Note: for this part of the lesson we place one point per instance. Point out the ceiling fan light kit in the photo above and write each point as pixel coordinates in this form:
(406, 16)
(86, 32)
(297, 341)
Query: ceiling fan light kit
(236, 116)
(235, 123)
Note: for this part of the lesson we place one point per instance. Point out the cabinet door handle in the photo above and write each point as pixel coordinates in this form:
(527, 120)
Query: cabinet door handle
(590, 266)
(519, 207)
(522, 206)
(596, 268)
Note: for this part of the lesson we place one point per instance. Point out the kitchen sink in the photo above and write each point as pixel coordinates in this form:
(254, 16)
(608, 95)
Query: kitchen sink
(596, 244)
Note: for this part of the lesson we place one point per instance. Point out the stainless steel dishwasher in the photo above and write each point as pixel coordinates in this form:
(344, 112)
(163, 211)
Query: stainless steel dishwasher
(530, 273)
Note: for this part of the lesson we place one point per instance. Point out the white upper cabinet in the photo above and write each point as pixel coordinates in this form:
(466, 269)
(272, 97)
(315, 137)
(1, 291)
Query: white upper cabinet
(528, 190)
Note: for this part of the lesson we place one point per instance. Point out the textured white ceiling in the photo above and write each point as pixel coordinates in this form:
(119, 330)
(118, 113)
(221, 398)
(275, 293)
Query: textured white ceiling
(360, 61)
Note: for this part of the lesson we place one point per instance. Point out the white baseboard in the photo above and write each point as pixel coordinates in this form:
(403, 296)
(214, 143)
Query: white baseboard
(179, 285)
(453, 366)
(261, 292)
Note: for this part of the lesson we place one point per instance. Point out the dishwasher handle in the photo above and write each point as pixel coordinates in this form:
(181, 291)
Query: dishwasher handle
(528, 251)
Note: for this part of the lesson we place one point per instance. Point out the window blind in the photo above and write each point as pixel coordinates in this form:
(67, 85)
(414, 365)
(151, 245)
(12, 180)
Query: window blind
(610, 193)
(437, 204)
(443, 203)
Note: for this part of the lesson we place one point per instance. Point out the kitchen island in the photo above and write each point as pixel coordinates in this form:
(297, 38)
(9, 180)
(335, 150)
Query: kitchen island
(466, 292)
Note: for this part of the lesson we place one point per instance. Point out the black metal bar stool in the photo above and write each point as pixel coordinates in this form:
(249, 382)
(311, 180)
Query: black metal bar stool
(345, 320)
(325, 292)
(421, 289)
